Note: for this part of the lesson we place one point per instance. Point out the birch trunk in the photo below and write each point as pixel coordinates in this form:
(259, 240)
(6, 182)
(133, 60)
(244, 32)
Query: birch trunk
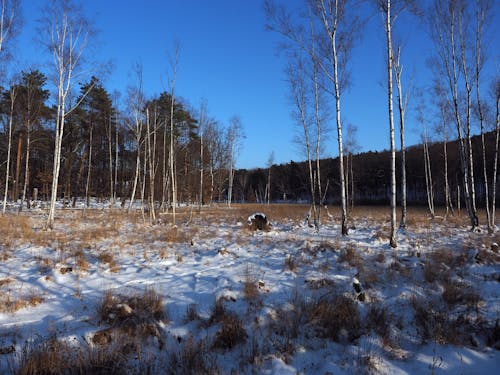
(26, 168)
(9, 145)
(388, 30)
(89, 169)
(402, 103)
(495, 162)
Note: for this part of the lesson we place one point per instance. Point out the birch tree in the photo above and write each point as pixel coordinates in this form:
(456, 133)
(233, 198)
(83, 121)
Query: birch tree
(234, 135)
(9, 22)
(402, 105)
(69, 33)
(270, 162)
(12, 99)
(446, 22)
(341, 27)
(482, 17)
(173, 181)
(136, 103)
(496, 96)
(385, 7)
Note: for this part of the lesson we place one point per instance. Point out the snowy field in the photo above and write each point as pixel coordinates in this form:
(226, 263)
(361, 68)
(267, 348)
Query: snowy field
(105, 292)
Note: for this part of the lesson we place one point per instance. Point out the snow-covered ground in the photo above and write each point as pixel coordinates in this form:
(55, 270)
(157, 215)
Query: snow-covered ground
(231, 300)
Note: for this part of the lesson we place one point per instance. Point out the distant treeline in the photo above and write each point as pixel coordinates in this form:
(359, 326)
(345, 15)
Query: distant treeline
(370, 172)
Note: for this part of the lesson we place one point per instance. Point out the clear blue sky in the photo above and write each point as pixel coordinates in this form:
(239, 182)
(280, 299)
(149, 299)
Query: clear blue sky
(229, 59)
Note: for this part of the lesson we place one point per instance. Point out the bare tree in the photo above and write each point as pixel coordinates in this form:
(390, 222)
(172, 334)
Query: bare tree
(12, 99)
(151, 127)
(446, 21)
(385, 7)
(402, 105)
(350, 147)
(482, 17)
(69, 31)
(234, 136)
(270, 163)
(496, 95)
(173, 65)
(296, 72)
(444, 120)
(340, 28)
(427, 160)
(9, 21)
(136, 103)
(201, 135)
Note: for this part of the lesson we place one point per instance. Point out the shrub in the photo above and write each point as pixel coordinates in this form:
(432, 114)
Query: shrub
(135, 315)
(337, 318)
(231, 333)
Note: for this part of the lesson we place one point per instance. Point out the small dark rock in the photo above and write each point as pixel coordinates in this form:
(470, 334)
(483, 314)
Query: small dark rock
(7, 349)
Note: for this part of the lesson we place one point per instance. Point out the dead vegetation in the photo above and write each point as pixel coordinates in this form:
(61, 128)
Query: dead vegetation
(447, 309)
(136, 315)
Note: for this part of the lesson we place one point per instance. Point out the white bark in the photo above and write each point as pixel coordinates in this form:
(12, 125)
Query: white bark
(386, 7)
(69, 32)
(402, 104)
(173, 180)
(12, 97)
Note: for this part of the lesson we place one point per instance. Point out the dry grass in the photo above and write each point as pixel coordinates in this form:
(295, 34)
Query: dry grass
(291, 263)
(81, 260)
(336, 318)
(137, 315)
(53, 356)
(351, 256)
(459, 293)
(192, 357)
(231, 331)
(9, 304)
(108, 258)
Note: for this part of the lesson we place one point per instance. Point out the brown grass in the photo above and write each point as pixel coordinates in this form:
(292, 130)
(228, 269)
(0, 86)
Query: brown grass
(11, 305)
(459, 293)
(192, 357)
(108, 258)
(53, 356)
(135, 315)
(336, 318)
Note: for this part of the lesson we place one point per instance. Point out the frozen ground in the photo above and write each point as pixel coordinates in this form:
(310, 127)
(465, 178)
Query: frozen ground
(212, 296)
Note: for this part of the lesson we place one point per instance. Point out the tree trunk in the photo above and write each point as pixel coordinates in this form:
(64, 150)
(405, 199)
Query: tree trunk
(495, 162)
(26, 169)
(110, 152)
(89, 169)
(388, 27)
(9, 146)
(398, 69)
(428, 178)
(15, 196)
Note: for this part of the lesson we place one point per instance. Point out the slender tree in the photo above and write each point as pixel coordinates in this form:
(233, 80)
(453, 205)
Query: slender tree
(385, 7)
(446, 22)
(136, 103)
(32, 97)
(12, 99)
(270, 163)
(69, 31)
(341, 27)
(402, 105)
(173, 181)
(234, 136)
(9, 22)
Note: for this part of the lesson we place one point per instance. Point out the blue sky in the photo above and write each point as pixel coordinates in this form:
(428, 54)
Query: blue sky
(229, 59)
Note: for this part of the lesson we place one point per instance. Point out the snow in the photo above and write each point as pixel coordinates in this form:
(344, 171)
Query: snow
(215, 257)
